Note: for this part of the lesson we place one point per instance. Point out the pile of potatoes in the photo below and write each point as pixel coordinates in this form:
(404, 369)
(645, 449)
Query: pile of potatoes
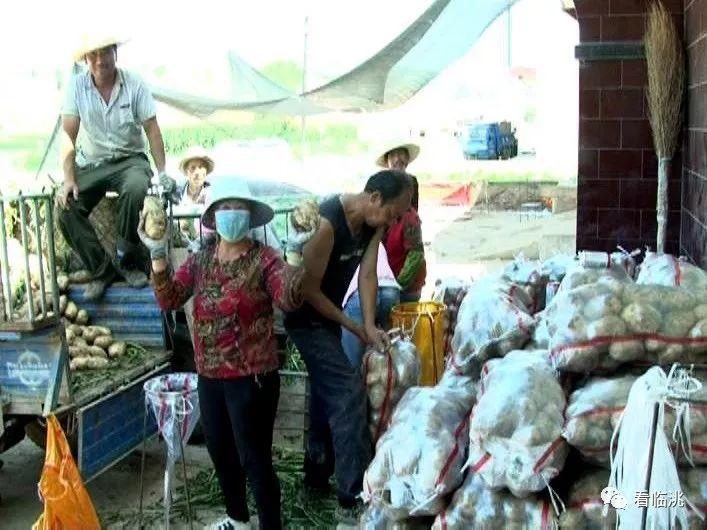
(90, 347)
(475, 505)
(664, 269)
(516, 426)
(419, 459)
(494, 318)
(594, 411)
(608, 323)
(528, 275)
(389, 374)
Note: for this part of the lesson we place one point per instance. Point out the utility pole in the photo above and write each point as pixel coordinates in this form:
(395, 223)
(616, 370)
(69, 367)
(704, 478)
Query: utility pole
(303, 118)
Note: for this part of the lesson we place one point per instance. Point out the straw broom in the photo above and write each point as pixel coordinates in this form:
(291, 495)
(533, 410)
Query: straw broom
(666, 83)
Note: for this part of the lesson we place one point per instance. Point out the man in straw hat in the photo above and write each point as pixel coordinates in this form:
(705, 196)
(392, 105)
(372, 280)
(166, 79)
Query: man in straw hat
(349, 233)
(196, 165)
(403, 241)
(111, 107)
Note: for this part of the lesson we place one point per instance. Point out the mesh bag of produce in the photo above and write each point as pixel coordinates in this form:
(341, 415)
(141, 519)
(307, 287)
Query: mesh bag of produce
(587, 511)
(376, 518)
(664, 269)
(450, 292)
(593, 266)
(494, 318)
(528, 276)
(388, 374)
(419, 459)
(516, 425)
(594, 411)
(607, 323)
(475, 505)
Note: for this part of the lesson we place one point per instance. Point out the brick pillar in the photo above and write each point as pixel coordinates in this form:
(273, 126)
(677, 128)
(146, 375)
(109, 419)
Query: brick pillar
(617, 173)
(693, 237)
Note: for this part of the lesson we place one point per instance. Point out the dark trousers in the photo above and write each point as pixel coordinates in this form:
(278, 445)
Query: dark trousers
(237, 416)
(130, 178)
(338, 402)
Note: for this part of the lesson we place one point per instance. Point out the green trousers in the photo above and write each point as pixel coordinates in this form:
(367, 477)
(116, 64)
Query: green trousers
(130, 178)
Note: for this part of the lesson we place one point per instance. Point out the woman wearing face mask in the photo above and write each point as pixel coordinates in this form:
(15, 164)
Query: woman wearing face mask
(234, 281)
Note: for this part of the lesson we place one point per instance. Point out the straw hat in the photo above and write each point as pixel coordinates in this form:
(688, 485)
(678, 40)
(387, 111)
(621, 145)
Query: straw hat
(412, 149)
(196, 153)
(88, 43)
(232, 187)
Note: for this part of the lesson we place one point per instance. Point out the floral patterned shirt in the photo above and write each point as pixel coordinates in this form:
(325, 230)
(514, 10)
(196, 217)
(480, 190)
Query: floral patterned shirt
(233, 307)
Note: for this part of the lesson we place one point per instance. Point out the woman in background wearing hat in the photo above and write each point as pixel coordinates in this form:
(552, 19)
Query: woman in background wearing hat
(234, 281)
(196, 167)
(403, 241)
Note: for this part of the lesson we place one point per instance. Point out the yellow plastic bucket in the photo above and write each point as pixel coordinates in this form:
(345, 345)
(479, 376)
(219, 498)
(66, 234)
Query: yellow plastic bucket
(425, 322)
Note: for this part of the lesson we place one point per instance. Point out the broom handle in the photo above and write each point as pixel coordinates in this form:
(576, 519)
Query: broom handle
(662, 205)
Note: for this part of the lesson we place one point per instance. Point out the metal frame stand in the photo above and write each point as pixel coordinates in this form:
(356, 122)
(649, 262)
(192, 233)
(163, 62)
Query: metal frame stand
(165, 500)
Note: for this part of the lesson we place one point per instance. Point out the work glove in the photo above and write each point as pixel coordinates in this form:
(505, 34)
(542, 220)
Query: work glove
(169, 185)
(157, 247)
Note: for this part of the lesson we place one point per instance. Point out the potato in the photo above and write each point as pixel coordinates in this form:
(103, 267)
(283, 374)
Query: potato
(62, 282)
(677, 323)
(82, 276)
(63, 302)
(607, 326)
(155, 218)
(71, 310)
(627, 351)
(77, 351)
(701, 312)
(95, 351)
(97, 363)
(76, 329)
(79, 342)
(90, 334)
(79, 363)
(100, 330)
(601, 306)
(82, 317)
(103, 341)
(70, 336)
(641, 318)
(116, 349)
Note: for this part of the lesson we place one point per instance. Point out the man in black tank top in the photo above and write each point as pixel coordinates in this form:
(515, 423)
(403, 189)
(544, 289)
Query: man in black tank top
(350, 231)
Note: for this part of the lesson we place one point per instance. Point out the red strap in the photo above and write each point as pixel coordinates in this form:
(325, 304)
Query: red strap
(481, 463)
(603, 341)
(545, 517)
(455, 450)
(386, 401)
(443, 519)
(548, 452)
(678, 271)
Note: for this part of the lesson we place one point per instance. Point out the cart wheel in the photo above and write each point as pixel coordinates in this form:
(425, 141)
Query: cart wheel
(36, 430)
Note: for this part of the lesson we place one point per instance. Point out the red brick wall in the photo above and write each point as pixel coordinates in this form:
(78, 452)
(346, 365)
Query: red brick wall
(693, 240)
(617, 166)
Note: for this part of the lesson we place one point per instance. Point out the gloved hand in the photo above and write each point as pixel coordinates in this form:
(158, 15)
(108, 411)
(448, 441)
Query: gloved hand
(169, 185)
(157, 247)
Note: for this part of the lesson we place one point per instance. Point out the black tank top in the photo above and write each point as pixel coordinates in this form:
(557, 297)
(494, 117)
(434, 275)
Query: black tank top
(344, 259)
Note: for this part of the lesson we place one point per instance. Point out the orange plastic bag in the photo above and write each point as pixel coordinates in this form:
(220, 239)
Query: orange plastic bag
(67, 505)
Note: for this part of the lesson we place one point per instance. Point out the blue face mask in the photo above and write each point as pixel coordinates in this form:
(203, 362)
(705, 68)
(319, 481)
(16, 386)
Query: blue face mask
(232, 225)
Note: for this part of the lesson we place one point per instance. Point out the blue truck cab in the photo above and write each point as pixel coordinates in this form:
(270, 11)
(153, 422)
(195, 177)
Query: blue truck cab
(489, 141)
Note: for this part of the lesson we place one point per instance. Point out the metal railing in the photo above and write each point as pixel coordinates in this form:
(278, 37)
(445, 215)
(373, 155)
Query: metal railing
(27, 216)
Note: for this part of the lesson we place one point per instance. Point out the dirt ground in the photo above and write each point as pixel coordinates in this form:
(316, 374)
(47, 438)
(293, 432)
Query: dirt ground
(459, 242)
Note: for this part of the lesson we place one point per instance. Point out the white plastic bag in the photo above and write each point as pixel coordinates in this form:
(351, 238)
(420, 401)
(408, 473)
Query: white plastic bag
(630, 460)
(476, 506)
(494, 318)
(594, 411)
(664, 269)
(388, 375)
(516, 425)
(419, 458)
(607, 323)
